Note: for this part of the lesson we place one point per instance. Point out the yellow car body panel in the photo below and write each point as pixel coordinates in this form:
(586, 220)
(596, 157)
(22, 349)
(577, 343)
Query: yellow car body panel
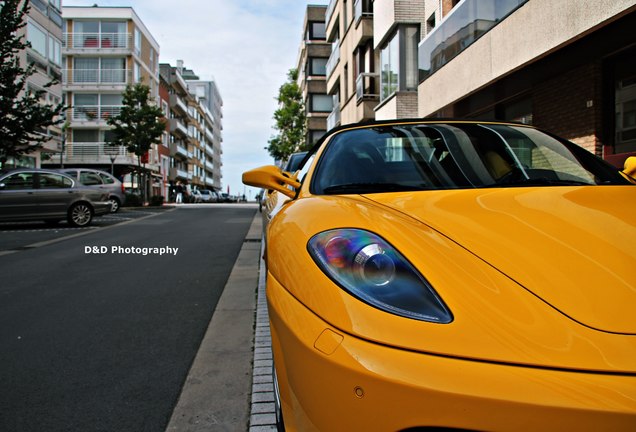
(363, 386)
(520, 327)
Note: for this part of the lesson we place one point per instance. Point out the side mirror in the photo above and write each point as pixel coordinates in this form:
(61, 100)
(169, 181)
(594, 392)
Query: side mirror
(630, 169)
(271, 177)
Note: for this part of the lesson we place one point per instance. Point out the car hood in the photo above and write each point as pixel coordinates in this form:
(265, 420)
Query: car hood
(572, 247)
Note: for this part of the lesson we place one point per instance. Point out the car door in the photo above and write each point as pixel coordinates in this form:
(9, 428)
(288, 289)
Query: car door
(17, 196)
(55, 194)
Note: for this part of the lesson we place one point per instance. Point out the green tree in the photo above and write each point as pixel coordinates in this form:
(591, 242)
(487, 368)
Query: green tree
(290, 120)
(138, 125)
(23, 116)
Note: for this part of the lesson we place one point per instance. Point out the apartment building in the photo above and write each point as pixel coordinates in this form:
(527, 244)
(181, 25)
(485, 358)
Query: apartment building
(352, 75)
(567, 67)
(194, 130)
(312, 70)
(210, 102)
(104, 50)
(372, 72)
(44, 31)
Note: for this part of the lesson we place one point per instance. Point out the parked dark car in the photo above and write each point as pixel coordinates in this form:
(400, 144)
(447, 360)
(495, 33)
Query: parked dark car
(294, 161)
(37, 194)
(100, 180)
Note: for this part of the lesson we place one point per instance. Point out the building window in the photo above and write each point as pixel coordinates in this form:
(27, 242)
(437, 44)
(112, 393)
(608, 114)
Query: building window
(55, 50)
(315, 135)
(99, 34)
(317, 66)
(316, 30)
(398, 62)
(37, 38)
(625, 100)
(389, 64)
(320, 103)
(137, 41)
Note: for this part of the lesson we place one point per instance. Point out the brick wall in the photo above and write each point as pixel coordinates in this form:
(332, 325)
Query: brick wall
(410, 11)
(570, 104)
(406, 104)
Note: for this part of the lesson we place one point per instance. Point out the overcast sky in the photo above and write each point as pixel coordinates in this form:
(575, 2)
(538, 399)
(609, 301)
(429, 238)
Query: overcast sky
(247, 46)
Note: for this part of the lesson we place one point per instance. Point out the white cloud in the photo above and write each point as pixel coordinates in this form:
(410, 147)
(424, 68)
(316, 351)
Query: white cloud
(246, 45)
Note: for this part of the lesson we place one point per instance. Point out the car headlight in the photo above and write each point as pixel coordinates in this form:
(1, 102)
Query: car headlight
(372, 270)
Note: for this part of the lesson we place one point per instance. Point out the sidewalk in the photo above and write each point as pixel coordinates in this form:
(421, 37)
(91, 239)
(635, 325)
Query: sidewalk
(229, 386)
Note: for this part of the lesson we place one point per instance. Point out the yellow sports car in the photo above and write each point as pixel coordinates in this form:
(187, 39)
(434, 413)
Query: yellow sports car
(451, 274)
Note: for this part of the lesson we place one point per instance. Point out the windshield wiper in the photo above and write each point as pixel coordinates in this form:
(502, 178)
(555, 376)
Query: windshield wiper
(361, 188)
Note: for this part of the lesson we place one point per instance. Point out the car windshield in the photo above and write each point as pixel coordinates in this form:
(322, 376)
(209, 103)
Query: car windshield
(409, 157)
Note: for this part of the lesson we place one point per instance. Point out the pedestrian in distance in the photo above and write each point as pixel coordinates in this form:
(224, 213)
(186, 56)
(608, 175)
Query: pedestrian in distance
(179, 198)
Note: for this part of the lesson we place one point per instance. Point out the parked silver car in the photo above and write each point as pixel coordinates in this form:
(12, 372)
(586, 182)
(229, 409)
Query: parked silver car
(100, 180)
(36, 194)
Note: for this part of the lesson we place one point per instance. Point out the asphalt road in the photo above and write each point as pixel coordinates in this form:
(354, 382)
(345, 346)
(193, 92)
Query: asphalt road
(103, 342)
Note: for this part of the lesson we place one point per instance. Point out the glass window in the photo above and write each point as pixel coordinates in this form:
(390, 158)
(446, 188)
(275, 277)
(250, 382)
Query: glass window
(137, 41)
(90, 179)
(113, 34)
(106, 178)
(464, 25)
(85, 34)
(317, 31)
(55, 50)
(389, 63)
(113, 70)
(411, 36)
(54, 181)
(37, 37)
(86, 69)
(318, 66)
(321, 103)
(85, 135)
(454, 156)
(56, 4)
(625, 97)
(19, 181)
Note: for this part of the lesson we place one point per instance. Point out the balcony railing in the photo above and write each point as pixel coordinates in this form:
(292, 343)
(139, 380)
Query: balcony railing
(177, 125)
(95, 112)
(367, 86)
(97, 152)
(333, 119)
(177, 102)
(362, 9)
(97, 76)
(330, 9)
(98, 40)
(334, 58)
(467, 22)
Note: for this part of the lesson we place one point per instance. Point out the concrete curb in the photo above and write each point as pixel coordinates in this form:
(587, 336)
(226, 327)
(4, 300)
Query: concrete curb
(263, 414)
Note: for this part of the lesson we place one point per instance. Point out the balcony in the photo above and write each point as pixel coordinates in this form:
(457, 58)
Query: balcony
(178, 105)
(177, 148)
(467, 22)
(177, 173)
(97, 153)
(362, 9)
(367, 86)
(334, 58)
(92, 41)
(178, 127)
(333, 119)
(94, 113)
(91, 77)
